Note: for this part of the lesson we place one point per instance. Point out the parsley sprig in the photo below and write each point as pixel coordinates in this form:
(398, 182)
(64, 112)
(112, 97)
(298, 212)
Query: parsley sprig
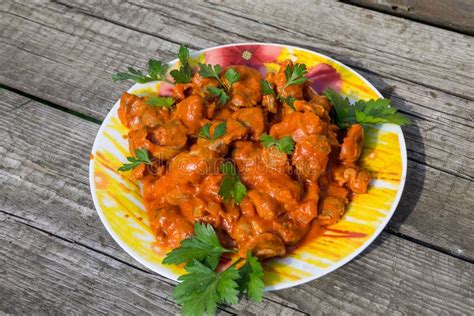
(364, 112)
(185, 73)
(285, 144)
(219, 131)
(295, 75)
(204, 247)
(160, 101)
(231, 187)
(231, 76)
(156, 71)
(202, 288)
(267, 89)
(141, 157)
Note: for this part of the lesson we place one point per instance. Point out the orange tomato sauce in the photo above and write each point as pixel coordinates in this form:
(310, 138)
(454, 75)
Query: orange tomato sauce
(288, 195)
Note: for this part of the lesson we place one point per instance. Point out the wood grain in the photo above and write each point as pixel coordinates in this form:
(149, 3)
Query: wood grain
(457, 15)
(46, 274)
(66, 55)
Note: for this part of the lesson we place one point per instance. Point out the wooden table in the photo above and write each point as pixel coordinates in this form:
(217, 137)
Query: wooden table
(56, 62)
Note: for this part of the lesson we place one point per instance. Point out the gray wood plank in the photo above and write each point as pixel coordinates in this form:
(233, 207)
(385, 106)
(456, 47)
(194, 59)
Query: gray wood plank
(44, 183)
(46, 274)
(66, 55)
(457, 15)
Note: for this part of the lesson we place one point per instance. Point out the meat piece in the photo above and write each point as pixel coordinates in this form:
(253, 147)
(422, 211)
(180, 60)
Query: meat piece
(298, 125)
(181, 91)
(135, 114)
(352, 145)
(171, 133)
(319, 105)
(266, 245)
(295, 90)
(331, 210)
(194, 166)
(286, 191)
(234, 131)
(142, 138)
(250, 155)
(246, 91)
(311, 156)
(308, 209)
(290, 231)
(190, 112)
(201, 84)
(265, 205)
(356, 179)
(169, 226)
(275, 160)
(252, 118)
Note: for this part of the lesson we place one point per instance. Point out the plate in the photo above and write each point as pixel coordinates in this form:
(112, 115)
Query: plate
(118, 199)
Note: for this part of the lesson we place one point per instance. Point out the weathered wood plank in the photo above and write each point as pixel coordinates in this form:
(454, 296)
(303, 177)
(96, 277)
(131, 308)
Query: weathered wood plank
(397, 277)
(67, 57)
(457, 15)
(48, 275)
(377, 42)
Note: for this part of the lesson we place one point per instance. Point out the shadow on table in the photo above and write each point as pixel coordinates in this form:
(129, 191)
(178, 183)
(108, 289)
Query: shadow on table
(416, 168)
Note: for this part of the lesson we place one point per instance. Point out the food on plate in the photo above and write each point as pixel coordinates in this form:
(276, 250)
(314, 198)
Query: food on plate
(239, 162)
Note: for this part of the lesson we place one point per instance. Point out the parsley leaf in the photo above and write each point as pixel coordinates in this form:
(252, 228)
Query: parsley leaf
(251, 282)
(185, 73)
(290, 101)
(285, 144)
(209, 71)
(156, 69)
(219, 130)
(364, 112)
(295, 75)
(204, 246)
(231, 187)
(266, 88)
(160, 101)
(220, 93)
(202, 289)
(142, 157)
(205, 131)
(231, 76)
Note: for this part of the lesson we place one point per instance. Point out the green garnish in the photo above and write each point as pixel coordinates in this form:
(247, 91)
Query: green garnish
(231, 187)
(231, 76)
(142, 157)
(185, 73)
(204, 247)
(285, 144)
(156, 71)
(220, 93)
(364, 112)
(202, 288)
(160, 101)
(268, 90)
(295, 75)
(219, 130)
(251, 281)
(290, 101)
